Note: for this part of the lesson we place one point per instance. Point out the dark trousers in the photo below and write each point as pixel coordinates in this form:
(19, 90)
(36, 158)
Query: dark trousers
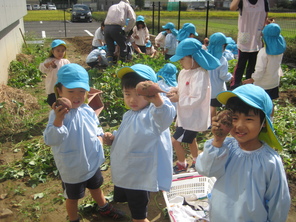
(114, 33)
(244, 59)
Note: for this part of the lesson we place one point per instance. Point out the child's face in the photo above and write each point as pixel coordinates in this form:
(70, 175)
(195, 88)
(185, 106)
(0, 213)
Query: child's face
(187, 62)
(246, 129)
(59, 52)
(77, 96)
(133, 100)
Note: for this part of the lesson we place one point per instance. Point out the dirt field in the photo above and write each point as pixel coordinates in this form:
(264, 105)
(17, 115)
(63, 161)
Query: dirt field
(77, 50)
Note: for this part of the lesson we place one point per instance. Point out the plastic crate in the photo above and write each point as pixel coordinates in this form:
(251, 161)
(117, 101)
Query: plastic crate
(186, 184)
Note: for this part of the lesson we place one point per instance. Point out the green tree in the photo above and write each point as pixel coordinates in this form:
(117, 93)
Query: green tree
(139, 3)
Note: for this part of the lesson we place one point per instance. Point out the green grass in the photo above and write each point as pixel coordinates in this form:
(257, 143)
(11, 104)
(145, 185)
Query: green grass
(219, 21)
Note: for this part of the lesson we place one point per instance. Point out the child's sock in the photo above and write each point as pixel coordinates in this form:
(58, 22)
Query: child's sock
(184, 164)
(104, 208)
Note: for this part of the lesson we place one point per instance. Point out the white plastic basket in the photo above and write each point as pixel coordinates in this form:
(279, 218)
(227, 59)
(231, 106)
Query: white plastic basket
(186, 184)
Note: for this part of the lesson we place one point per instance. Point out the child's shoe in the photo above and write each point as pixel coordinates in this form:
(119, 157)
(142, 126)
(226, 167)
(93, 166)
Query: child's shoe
(179, 168)
(111, 212)
(192, 167)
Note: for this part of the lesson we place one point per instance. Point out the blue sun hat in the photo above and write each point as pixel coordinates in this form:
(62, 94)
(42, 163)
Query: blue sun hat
(148, 44)
(232, 46)
(275, 42)
(169, 74)
(73, 76)
(142, 70)
(256, 97)
(216, 42)
(186, 31)
(193, 47)
(171, 27)
(140, 18)
(57, 42)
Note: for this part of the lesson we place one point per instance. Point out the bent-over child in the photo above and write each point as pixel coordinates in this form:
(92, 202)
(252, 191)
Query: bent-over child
(251, 181)
(75, 137)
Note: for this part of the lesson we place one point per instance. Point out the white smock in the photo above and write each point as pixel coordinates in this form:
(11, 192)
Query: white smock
(250, 186)
(77, 150)
(141, 153)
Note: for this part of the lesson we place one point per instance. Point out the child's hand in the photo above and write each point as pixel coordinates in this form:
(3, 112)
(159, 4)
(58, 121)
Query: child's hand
(60, 112)
(173, 95)
(51, 64)
(108, 138)
(248, 81)
(156, 99)
(222, 123)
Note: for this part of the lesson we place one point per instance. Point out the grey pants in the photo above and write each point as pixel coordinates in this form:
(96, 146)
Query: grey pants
(114, 33)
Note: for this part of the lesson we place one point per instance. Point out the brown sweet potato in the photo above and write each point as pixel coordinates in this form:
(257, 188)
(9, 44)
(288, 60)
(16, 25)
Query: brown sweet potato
(148, 88)
(225, 120)
(64, 102)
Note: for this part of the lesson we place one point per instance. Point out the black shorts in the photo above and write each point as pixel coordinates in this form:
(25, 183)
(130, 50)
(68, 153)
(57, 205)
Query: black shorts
(184, 136)
(137, 201)
(216, 103)
(76, 191)
(273, 93)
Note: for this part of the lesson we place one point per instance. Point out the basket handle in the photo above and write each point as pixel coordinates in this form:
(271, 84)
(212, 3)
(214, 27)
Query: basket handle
(186, 177)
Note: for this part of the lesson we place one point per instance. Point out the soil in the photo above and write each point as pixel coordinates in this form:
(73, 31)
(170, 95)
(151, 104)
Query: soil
(18, 200)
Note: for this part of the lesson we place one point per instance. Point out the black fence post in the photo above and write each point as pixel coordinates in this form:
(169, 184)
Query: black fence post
(153, 18)
(207, 18)
(179, 15)
(158, 18)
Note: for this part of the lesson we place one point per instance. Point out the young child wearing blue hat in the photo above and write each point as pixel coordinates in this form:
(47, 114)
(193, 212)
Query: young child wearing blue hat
(187, 31)
(97, 57)
(193, 95)
(251, 181)
(150, 49)
(141, 152)
(76, 142)
(56, 59)
(141, 33)
(171, 41)
(220, 75)
(268, 65)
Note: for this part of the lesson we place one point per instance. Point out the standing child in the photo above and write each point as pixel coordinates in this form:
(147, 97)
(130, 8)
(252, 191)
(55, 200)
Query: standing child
(75, 139)
(193, 96)
(251, 181)
(220, 75)
(171, 41)
(141, 152)
(57, 58)
(268, 65)
(141, 33)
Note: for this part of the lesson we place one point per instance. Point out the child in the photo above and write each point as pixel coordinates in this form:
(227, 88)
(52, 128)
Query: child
(140, 33)
(188, 31)
(205, 43)
(76, 139)
(231, 51)
(220, 75)
(171, 41)
(160, 40)
(193, 96)
(268, 65)
(57, 58)
(97, 57)
(99, 39)
(251, 182)
(150, 49)
(141, 152)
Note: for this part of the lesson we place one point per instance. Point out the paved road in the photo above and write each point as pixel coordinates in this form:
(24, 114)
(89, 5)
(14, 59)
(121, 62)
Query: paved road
(59, 29)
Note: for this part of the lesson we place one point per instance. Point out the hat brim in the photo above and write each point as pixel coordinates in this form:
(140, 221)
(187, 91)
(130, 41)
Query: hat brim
(267, 135)
(124, 71)
(175, 58)
(73, 85)
(228, 40)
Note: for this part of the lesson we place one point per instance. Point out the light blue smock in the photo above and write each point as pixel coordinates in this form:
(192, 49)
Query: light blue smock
(250, 186)
(218, 78)
(141, 153)
(77, 151)
(171, 44)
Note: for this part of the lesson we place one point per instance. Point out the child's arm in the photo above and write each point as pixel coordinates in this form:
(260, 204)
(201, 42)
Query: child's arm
(156, 99)
(173, 95)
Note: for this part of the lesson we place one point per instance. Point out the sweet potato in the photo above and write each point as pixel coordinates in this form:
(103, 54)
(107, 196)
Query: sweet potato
(64, 102)
(148, 88)
(225, 120)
